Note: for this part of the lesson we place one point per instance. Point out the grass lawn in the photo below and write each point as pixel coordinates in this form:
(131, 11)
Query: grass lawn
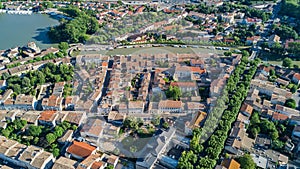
(275, 59)
(154, 50)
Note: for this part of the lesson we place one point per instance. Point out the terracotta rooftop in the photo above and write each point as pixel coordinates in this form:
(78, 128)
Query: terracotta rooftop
(184, 84)
(97, 165)
(169, 104)
(93, 127)
(279, 116)
(81, 149)
(230, 164)
(247, 108)
(297, 76)
(48, 115)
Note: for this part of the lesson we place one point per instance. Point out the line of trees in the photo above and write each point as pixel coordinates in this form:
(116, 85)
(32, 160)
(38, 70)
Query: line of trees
(236, 90)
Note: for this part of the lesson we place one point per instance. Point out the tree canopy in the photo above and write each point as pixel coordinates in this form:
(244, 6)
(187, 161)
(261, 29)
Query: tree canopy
(287, 62)
(75, 30)
(174, 92)
(246, 162)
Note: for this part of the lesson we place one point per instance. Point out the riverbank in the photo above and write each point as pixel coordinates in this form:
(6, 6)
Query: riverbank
(19, 12)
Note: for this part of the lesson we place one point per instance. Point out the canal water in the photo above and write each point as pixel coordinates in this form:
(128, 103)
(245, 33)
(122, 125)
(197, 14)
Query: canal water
(18, 30)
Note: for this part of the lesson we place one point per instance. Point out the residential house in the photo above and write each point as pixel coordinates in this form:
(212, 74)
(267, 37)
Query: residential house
(281, 81)
(263, 141)
(80, 150)
(261, 162)
(66, 138)
(116, 118)
(31, 117)
(196, 122)
(92, 131)
(135, 107)
(296, 78)
(64, 163)
(6, 96)
(48, 118)
(58, 89)
(113, 160)
(11, 115)
(252, 40)
(52, 103)
(154, 149)
(185, 86)
(282, 159)
(170, 106)
(273, 39)
(279, 117)
(3, 84)
(287, 111)
(295, 120)
(70, 102)
(36, 157)
(230, 164)
(25, 102)
(246, 109)
(91, 161)
(269, 88)
(76, 117)
(194, 107)
(278, 99)
(234, 141)
(197, 63)
(296, 133)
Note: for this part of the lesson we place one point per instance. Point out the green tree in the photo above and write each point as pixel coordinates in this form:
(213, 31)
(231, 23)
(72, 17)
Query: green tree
(246, 162)
(56, 152)
(272, 72)
(109, 167)
(34, 130)
(50, 137)
(287, 62)
(165, 125)
(63, 46)
(174, 92)
(291, 103)
(58, 131)
(5, 132)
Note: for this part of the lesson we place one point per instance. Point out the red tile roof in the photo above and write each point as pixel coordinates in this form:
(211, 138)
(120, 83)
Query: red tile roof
(97, 165)
(297, 76)
(81, 149)
(47, 115)
(279, 116)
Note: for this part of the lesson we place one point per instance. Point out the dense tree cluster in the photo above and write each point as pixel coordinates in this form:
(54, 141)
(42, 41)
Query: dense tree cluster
(290, 8)
(37, 135)
(294, 48)
(246, 162)
(262, 126)
(49, 73)
(286, 32)
(173, 92)
(75, 30)
(233, 95)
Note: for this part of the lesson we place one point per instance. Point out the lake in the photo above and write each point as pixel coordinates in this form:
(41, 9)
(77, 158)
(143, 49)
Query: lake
(18, 30)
